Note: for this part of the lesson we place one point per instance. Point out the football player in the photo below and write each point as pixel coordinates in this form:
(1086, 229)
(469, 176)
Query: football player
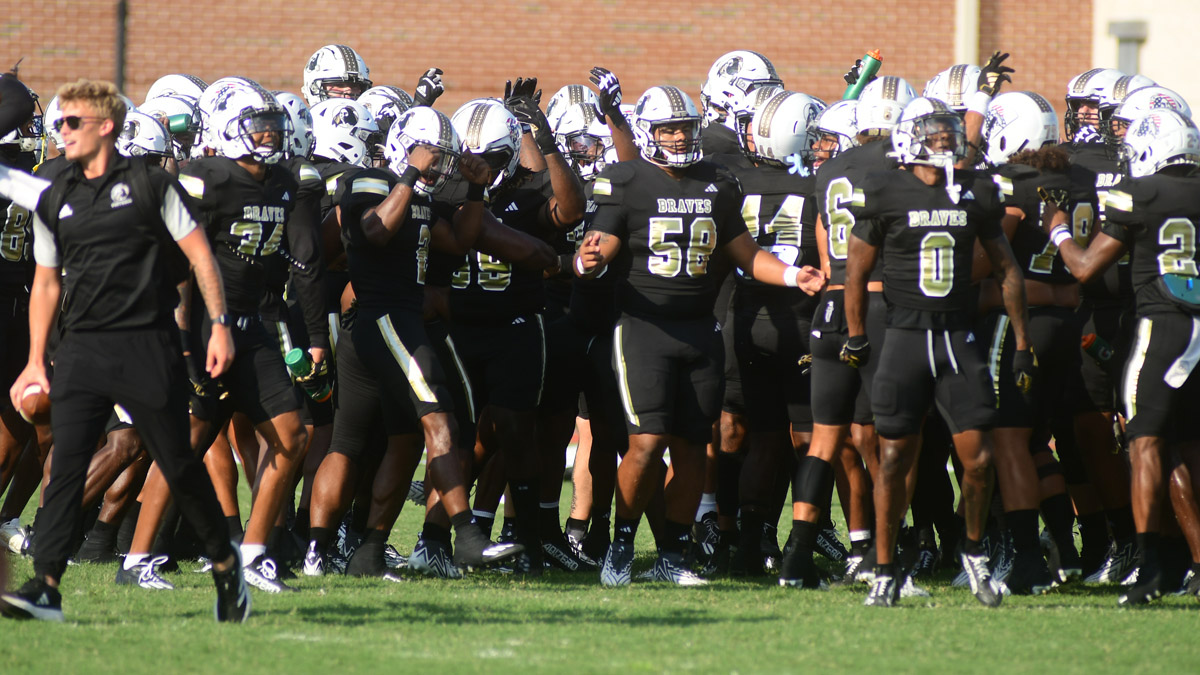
(929, 215)
(669, 212)
(730, 80)
(1152, 215)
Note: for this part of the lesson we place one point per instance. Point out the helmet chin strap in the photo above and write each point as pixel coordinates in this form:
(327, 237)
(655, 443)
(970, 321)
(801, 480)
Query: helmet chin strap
(954, 190)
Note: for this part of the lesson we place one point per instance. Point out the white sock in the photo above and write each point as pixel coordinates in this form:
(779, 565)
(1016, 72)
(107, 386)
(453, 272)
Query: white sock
(251, 552)
(708, 504)
(133, 559)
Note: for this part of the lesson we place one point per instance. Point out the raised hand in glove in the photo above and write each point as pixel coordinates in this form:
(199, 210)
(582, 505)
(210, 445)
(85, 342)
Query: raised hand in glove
(522, 99)
(857, 351)
(429, 87)
(994, 74)
(852, 75)
(609, 89)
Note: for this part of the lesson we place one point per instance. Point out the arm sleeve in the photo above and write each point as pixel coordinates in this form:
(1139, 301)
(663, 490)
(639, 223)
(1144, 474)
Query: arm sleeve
(45, 248)
(175, 212)
(22, 189)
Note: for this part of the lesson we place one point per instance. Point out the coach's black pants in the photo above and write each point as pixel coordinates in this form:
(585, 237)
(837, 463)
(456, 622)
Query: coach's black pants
(143, 372)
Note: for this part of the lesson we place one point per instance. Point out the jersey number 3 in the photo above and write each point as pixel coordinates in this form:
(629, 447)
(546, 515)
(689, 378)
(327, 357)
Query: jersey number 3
(669, 257)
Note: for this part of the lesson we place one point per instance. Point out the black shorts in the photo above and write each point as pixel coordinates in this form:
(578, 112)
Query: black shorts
(1101, 381)
(734, 400)
(396, 350)
(14, 342)
(1161, 390)
(566, 365)
(601, 400)
(1055, 337)
(360, 427)
(457, 382)
(768, 347)
(290, 334)
(841, 393)
(258, 382)
(505, 362)
(669, 374)
(920, 367)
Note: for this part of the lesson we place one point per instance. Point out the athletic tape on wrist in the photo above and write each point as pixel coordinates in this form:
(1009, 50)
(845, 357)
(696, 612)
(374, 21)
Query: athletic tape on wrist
(791, 276)
(579, 266)
(1060, 234)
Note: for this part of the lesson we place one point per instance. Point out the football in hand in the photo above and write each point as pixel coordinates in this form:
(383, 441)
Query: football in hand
(35, 405)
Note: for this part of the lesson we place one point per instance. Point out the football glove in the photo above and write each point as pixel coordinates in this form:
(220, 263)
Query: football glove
(522, 100)
(852, 75)
(429, 87)
(994, 74)
(609, 88)
(857, 351)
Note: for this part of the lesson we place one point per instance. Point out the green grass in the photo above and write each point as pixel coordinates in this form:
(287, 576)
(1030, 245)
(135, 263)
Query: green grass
(570, 623)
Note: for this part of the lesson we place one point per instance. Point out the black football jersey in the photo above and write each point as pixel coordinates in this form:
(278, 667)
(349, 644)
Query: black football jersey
(928, 242)
(331, 173)
(593, 303)
(1036, 255)
(16, 239)
(488, 289)
(391, 276)
(303, 232)
(837, 181)
(781, 215)
(718, 139)
(1094, 171)
(245, 221)
(1156, 218)
(670, 229)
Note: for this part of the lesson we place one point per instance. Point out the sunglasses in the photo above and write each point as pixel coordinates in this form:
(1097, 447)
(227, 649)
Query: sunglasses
(74, 121)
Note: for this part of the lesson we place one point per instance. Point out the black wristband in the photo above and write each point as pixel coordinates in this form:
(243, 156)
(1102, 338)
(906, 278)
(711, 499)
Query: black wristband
(475, 192)
(566, 263)
(410, 176)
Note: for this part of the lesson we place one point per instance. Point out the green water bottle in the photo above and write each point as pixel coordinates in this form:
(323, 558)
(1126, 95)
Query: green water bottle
(300, 364)
(870, 65)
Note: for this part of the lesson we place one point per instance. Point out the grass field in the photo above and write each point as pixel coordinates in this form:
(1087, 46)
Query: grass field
(489, 623)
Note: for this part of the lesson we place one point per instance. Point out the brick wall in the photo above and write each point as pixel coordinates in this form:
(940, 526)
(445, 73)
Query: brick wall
(481, 44)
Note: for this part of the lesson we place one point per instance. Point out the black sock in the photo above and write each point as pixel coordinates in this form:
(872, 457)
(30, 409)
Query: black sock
(1147, 543)
(376, 538)
(886, 569)
(804, 536)
(462, 522)
(972, 546)
(625, 529)
(485, 524)
(1060, 519)
(103, 534)
(1121, 522)
(1022, 526)
(235, 527)
(548, 521)
(433, 532)
(525, 505)
(321, 536)
(128, 525)
(1093, 530)
(751, 528)
(576, 528)
(300, 525)
(275, 537)
(677, 537)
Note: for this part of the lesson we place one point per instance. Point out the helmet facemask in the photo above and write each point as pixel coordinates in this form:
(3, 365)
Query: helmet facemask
(254, 122)
(936, 140)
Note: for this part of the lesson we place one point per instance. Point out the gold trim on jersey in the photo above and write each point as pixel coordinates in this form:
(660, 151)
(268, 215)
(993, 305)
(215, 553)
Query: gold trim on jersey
(309, 172)
(1137, 359)
(376, 186)
(623, 377)
(462, 375)
(412, 370)
(602, 186)
(1121, 201)
(193, 184)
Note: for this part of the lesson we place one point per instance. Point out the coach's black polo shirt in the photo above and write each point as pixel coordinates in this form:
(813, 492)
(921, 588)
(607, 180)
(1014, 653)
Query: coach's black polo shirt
(109, 252)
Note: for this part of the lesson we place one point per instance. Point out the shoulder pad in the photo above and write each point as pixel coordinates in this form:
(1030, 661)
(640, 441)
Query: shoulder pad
(618, 174)
(306, 172)
(1120, 198)
(368, 181)
(203, 176)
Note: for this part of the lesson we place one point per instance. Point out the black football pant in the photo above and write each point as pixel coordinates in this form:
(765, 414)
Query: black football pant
(143, 372)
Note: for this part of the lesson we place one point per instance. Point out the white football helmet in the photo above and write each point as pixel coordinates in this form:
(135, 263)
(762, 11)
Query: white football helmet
(954, 85)
(423, 125)
(565, 98)
(238, 112)
(143, 136)
(52, 114)
(881, 103)
(208, 103)
(344, 131)
(743, 112)
(177, 84)
(731, 78)
(301, 142)
(165, 109)
(1138, 103)
(785, 126)
(837, 129)
(488, 129)
(1089, 87)
(334, 66)
(583, 139)
(1159, 139)
(929, 133)
(666, 105)
(386, 104)
(1111, 97)
(1016, 121)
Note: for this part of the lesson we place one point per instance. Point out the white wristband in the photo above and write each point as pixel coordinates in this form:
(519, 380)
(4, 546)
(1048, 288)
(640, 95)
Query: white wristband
(791, 276)
(979, 103)
(579, 266)
(1060, 234)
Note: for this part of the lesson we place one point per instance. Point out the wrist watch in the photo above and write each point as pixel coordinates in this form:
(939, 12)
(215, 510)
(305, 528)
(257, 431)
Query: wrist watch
(223, 319)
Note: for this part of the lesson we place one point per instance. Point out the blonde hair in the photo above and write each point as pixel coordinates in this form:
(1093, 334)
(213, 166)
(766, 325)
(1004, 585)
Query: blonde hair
(102, 96)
